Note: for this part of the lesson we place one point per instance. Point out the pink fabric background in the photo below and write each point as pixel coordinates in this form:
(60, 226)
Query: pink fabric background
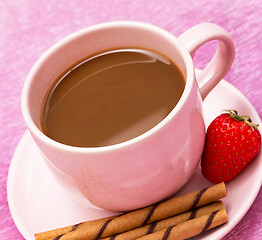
(30, 27)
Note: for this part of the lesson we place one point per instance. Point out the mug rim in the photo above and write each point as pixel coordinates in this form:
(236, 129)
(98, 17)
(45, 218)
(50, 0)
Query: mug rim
(25, 104)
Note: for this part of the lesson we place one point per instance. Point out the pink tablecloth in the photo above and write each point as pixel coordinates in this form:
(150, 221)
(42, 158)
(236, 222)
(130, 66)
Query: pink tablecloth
(29, 27)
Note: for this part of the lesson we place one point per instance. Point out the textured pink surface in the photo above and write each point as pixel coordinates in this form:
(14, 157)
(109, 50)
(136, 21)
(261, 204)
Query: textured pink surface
(30, 27)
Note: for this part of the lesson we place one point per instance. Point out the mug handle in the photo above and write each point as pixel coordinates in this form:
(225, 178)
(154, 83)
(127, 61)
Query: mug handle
(222, 60)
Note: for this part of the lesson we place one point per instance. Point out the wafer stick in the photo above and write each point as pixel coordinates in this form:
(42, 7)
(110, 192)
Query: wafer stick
(159, 225)
(105, 227)
(189, 228)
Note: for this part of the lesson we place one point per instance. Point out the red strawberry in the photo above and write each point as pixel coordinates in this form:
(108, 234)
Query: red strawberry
(232, 141)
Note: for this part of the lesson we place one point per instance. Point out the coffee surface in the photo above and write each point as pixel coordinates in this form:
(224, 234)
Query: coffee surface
(111, 98)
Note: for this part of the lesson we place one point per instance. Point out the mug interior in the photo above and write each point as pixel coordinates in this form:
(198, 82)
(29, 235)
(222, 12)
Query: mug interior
(92, 41)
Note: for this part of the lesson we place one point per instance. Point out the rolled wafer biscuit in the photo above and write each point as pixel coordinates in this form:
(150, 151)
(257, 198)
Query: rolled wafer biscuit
(189, 228)
(105, 227)
(159, 225)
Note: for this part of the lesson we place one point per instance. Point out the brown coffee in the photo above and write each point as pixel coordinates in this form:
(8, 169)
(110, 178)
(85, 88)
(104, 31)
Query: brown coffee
(111, 98)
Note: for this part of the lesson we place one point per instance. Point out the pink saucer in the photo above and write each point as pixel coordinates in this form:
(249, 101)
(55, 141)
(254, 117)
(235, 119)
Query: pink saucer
(38, 203)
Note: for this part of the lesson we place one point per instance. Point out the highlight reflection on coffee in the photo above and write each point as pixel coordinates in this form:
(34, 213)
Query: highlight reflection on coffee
(111, 98)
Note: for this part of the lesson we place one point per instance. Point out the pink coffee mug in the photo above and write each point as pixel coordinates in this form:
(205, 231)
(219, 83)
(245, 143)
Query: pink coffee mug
(156, 164)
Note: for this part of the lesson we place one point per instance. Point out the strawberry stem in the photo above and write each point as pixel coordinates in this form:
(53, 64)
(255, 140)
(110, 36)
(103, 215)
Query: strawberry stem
(244, 118)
